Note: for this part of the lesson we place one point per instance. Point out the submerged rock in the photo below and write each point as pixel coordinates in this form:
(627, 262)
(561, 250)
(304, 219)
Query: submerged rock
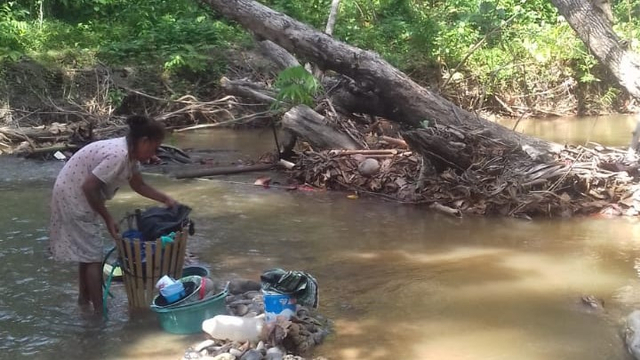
(225, 356)
(203, 345)
(242, 286)
(592, 302)
(632, 334)
(292, 357)
(191, 355)
(252, 355)
(251, 295)
(274, 353)
(240, 310)
(369, 167)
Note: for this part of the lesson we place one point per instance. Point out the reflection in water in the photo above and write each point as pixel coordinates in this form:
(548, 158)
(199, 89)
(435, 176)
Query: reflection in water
(398, 281)
(252, 144)
(610, 130)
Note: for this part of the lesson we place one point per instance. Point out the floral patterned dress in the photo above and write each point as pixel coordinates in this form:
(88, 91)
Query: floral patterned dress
(74, 232)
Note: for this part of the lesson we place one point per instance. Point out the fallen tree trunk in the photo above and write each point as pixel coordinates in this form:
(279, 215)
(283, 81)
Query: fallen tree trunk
(441, 152)
(400, 99)
(50, 150)
(248, 89)
(222, 170)
(310, 125)
(301, 122)
(15, 134)
(281, 57)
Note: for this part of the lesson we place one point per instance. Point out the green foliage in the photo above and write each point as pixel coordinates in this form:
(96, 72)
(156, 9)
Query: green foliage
(115, 97)
(180, 35)
(610, 96)
(522, 43)
(296, 86)
(525, 44)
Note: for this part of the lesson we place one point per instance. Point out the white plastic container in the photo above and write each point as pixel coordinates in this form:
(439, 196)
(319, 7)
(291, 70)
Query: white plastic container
(164, 281)
(234, 328)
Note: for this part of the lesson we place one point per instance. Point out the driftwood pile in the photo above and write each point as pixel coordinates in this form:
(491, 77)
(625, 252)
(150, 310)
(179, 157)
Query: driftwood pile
(41, 128)
(455, 161)
(459, 172)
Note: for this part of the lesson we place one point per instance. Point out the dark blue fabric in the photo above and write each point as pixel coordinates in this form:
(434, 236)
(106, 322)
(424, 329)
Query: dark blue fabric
(158, 221)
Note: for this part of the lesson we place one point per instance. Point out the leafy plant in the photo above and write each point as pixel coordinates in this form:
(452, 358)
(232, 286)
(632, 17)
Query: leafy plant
(115, 97)
(296, 86)
(609, 97)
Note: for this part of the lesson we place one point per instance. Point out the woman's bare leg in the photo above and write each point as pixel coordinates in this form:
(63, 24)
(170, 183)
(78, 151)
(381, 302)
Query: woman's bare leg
(94, 285)
(83, 291)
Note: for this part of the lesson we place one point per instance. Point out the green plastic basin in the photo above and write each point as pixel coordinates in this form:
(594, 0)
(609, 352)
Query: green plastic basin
(188, 318)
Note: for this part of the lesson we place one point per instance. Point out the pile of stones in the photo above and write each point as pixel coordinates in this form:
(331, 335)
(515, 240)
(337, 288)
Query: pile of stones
(282, 339)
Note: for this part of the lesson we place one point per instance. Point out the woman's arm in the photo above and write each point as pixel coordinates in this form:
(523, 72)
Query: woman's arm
(138, 185)
(91, 189)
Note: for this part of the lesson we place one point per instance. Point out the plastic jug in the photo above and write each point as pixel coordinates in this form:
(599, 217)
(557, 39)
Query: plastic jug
(234, 328)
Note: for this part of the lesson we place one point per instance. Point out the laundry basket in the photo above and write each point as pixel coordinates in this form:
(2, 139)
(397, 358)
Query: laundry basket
(145, 262)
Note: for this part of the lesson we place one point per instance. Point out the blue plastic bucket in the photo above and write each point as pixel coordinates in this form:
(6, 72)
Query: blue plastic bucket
(278, 305)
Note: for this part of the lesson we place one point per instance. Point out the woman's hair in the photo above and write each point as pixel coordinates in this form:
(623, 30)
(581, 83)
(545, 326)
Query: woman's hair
(141, 126)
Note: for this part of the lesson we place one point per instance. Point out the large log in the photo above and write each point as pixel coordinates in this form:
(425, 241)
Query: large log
(222, 170)
(441, 153)
(281, 57)
(401, 99)
(310, 125)
(21, 134)
(248, 89)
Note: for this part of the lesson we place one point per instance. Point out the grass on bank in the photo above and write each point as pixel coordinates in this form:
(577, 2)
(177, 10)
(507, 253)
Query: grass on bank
(481, 49)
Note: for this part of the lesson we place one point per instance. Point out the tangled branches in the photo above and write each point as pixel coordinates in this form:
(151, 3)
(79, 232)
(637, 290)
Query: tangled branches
(484, 177)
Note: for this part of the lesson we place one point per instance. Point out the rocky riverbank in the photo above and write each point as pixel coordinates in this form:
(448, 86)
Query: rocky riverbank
(292, 339)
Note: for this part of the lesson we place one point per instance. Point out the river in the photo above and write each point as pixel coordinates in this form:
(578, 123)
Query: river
(397, 281)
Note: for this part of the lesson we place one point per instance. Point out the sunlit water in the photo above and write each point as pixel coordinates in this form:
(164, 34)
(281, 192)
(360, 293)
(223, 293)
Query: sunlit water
(398, 281)
(611, 130)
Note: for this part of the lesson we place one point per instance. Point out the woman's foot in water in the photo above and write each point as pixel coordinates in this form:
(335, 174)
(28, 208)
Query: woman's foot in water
(85, 307)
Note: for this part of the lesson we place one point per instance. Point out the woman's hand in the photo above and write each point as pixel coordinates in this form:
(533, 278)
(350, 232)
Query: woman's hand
(170, 202)
(113, 229)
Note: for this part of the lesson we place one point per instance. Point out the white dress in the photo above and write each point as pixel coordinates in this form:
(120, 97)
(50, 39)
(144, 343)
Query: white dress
(74, 232)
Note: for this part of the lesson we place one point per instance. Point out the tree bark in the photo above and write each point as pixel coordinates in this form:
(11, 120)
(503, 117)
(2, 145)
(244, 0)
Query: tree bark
(35, 134)
(248, 89)
(399, 98)
(222, 170)
(281, 57)
(333, 16)
(312, 126)
(594, 29)
(441, 153)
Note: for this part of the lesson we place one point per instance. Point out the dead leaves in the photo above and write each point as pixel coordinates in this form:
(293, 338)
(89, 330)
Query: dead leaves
(500, 181)
(297, 335)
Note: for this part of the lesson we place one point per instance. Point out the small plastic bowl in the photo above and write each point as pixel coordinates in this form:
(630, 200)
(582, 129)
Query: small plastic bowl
(195, 270)
(173, 292)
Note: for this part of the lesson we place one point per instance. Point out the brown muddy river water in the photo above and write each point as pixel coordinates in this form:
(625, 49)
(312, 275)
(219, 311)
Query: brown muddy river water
(398, 281)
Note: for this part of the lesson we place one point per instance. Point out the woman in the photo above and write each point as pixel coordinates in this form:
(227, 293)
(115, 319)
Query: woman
(88, 179)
